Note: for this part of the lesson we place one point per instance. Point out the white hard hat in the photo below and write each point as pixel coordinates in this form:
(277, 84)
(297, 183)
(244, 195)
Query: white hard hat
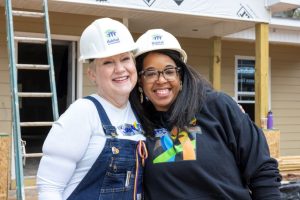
(105, 37)
(156, 39)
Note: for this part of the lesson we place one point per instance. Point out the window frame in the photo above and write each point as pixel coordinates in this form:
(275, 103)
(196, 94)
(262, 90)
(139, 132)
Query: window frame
(236, 92)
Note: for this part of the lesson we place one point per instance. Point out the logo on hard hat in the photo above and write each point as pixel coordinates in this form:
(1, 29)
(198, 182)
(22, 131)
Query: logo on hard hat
(157, 39)
(112, 37)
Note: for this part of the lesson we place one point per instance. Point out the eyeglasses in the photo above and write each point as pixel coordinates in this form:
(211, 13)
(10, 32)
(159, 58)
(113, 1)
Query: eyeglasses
(152, 75)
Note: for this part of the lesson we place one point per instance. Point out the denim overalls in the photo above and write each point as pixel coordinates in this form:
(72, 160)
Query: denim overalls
(113, 175)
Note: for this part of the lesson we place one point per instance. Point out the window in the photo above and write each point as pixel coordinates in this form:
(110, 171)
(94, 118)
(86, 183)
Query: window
(245, 84)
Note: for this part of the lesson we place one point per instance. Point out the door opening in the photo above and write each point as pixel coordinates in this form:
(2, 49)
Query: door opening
(40, 109)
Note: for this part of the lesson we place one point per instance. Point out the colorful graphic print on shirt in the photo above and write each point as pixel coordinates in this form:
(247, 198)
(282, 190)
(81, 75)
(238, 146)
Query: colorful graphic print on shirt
(131, 129)
(177, 145)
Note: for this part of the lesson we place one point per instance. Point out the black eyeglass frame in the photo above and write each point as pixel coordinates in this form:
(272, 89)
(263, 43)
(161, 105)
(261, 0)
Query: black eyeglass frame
(142, 73)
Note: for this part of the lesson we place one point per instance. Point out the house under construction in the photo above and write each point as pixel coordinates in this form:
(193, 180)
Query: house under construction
(248, 49)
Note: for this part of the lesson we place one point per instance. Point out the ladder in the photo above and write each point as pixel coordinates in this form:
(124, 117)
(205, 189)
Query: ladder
(14, 67)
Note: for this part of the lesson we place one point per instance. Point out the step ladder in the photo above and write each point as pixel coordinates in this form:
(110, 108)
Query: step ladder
(20, 154)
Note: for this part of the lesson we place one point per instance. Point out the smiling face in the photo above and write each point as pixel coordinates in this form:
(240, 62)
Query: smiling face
(161, 92)
(114, 77)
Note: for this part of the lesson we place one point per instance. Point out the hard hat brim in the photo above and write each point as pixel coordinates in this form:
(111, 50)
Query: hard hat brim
(108, 53)
(181, 51)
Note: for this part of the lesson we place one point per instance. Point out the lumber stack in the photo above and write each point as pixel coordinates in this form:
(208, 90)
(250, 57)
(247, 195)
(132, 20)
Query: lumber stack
(289, 163)
(289, 167)
(4, 155)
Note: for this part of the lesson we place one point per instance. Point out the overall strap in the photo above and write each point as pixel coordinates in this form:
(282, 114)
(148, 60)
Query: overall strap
(108, 128)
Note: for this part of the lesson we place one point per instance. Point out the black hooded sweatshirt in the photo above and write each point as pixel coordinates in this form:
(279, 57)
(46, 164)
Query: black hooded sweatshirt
(222, 155)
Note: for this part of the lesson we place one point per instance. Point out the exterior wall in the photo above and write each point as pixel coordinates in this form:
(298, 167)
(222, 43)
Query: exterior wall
(231, 49)
(198, 54)
(285, 89)
(5, 104)
(60, 23)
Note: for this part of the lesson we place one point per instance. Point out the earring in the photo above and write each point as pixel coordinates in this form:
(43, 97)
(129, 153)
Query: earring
(141, 94)
(180, 87)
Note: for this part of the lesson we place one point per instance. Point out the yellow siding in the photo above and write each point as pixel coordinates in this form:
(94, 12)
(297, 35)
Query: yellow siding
(63, 24)
(231, 49)
(3, 74)
(5, 114)
(5, 126)
(4, 89)
(5, 101)
(285, 94)
(198, 54)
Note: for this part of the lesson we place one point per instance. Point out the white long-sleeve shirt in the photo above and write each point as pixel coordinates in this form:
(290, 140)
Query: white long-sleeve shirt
(73, 144)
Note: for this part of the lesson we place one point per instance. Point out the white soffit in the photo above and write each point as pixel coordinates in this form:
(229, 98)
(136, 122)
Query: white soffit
(285, 23)
(278, 33)
(282, 5)
(253, 10)
(183, 18)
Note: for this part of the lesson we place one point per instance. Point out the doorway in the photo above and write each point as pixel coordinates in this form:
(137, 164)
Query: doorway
(40, 109)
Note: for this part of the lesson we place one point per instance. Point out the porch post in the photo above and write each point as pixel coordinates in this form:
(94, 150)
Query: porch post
(261, 71)
(215, 63)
